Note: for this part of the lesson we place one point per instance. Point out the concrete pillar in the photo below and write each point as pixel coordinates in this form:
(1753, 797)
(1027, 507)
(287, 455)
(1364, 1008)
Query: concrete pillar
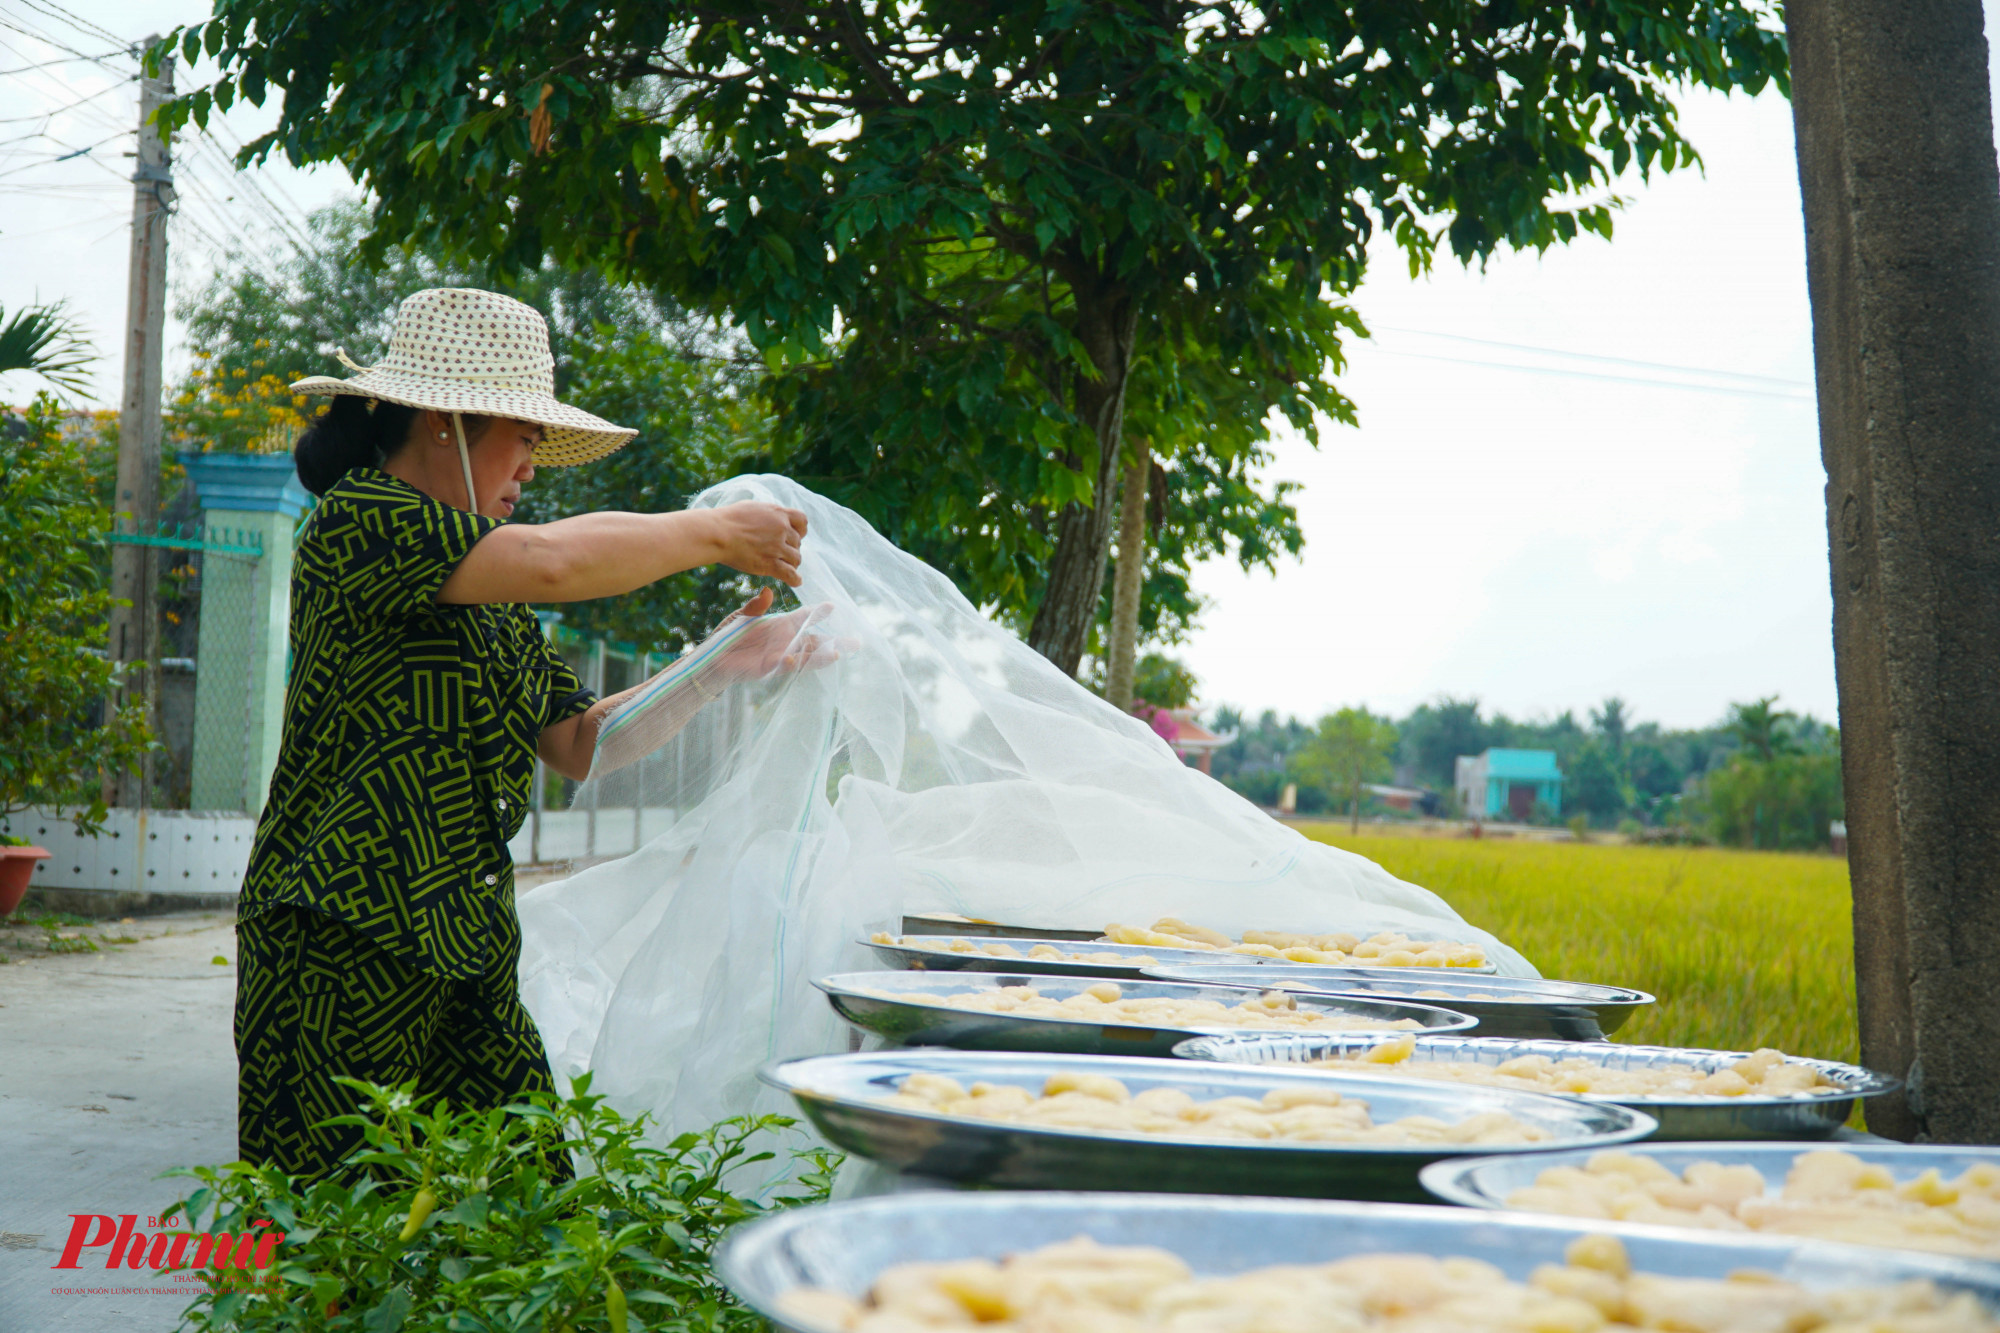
(250, 502)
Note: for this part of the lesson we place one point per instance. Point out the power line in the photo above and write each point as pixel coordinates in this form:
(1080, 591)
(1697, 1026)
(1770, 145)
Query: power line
(47, 40)
(1605, 360)
(59, 60)
(57, 111)
(246, 181)
(77, 21)
(1742, 390)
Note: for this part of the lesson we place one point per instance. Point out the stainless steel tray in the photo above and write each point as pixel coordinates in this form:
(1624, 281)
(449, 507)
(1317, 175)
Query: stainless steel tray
(842, 1096)
(1216, 958)
(1805, 1117)
(938, 960)
(921, 924)
(862, 998)
(1504, 1006)
(1485, 1182)
(844, 1246)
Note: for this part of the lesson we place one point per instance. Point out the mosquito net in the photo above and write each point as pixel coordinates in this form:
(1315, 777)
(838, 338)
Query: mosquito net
(935, 764)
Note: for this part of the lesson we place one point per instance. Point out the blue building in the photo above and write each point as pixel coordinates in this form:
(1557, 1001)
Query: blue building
(1506, 784)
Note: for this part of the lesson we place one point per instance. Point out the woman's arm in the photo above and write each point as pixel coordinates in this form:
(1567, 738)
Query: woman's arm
(602, 555)
(568, 746)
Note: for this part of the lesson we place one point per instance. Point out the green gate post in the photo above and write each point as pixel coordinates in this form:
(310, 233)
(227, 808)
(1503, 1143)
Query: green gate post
(250, 501)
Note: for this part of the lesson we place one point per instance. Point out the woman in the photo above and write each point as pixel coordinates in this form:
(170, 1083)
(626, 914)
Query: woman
(377, 934)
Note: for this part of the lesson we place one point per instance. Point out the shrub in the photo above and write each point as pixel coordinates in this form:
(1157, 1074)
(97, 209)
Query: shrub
(453, 1221)
(54, 673)
(1782, 803)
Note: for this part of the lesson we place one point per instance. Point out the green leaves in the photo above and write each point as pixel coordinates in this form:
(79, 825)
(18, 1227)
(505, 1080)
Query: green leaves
(53, 668)
(512, 1245)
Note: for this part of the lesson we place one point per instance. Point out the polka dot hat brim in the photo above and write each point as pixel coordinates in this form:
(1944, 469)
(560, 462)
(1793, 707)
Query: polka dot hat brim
(569, 435)
(457, 349)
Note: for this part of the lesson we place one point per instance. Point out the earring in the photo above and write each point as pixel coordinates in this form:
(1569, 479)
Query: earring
(442, 435)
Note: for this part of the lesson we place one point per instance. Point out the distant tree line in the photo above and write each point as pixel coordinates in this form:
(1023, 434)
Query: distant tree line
(1761, 777)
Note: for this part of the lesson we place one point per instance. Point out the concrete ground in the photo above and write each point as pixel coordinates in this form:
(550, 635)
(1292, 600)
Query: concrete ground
(115, 1064)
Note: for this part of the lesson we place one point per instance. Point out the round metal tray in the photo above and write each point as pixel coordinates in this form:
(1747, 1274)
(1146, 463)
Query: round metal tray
(939, 960)
(1485, 1182)
(864, 999)
(1217, 958)
(842, 1096)
(844, 1247)
(1808, 1116)
(1526, 1007)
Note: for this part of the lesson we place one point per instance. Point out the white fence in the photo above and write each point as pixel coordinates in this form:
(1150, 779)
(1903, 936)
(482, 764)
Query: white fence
(141, 851)
(587, 835)
(202, 852)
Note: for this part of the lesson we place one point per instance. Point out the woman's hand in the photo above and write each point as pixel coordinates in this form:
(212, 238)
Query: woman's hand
(775, 643)
(761, 539)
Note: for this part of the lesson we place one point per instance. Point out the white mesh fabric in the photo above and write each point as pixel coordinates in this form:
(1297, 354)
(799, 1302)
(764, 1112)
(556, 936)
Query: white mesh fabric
(939, 765)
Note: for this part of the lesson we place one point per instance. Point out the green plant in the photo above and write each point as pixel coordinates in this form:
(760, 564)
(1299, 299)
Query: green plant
(1786, 802)
(47, 340)
(1350, 749)
(455, 1221)
(53, 606)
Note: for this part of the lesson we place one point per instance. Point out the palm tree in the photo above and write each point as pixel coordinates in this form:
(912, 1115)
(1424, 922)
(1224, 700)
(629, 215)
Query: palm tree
(1612, 723)
(48, 340)
(1759, 727)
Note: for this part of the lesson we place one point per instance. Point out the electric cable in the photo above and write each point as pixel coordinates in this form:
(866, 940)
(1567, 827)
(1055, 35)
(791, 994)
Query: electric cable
(1592, 356)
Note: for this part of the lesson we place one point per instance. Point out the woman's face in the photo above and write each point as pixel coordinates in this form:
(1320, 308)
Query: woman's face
(501, 464)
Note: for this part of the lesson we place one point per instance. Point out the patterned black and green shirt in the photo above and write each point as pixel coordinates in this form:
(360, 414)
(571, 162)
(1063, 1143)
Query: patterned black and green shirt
(410, 731)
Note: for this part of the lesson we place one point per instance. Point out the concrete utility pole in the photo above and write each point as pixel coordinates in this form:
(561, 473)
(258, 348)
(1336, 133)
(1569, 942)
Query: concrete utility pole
(135, 627)
(1902, 207)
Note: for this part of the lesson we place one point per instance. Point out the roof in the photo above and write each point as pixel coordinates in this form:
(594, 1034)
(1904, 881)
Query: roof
(1523, 765)
(1194, 738)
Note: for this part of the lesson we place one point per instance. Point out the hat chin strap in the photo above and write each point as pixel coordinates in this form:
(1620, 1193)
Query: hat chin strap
(465, 462)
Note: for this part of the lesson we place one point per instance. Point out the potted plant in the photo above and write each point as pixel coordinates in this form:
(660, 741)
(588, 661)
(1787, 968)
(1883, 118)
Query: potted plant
(54, 671)
(17, 868)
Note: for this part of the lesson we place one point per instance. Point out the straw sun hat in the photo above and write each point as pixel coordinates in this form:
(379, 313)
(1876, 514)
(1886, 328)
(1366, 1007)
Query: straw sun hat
(459, 350)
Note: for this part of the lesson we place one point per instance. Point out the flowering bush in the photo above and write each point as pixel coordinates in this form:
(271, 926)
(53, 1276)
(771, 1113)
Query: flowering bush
(241, 409)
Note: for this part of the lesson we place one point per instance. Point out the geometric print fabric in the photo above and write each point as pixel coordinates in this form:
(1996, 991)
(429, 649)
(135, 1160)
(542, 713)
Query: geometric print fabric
(409, 738)
(315, 999)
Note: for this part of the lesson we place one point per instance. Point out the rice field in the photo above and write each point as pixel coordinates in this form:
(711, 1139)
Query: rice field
(1743, 949)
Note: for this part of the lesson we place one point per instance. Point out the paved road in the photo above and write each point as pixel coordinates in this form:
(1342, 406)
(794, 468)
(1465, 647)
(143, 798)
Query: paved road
(114, 1066)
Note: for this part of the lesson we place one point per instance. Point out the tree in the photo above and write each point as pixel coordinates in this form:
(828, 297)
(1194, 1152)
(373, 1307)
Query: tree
(1610, 722)
(1437, 733)
(47, 340)
(1349, 749)
(1782, 803)
(1761, 728)
(1596, 786)
(54, 672)
(956, 225)
(1894, 116)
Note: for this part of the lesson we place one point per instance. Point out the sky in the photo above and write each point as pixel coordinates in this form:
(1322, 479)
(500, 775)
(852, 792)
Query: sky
(1587, 473)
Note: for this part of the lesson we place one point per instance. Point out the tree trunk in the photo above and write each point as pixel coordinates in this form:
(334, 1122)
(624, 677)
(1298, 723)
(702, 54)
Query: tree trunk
(1902, 205)
(1130, 579)
(1105, 324)
(1354, 804)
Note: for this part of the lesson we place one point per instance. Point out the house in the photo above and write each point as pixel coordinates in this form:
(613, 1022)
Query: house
(1191, 740)
(1506, 784)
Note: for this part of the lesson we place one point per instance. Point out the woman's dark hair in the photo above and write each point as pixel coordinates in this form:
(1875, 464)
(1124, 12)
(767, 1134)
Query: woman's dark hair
(353, 432)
